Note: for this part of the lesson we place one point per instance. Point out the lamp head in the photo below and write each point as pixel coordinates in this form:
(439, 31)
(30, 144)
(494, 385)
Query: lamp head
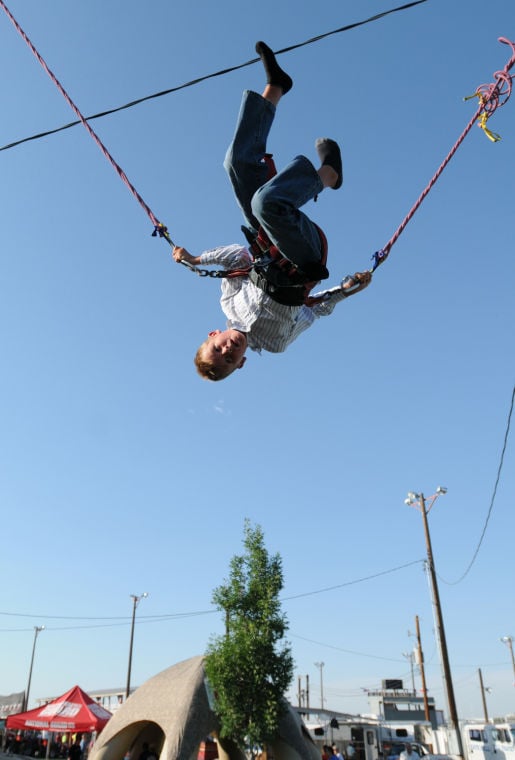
(441, 490)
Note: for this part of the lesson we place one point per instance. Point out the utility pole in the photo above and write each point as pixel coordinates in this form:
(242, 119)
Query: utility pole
(508, 640)
(420, 663)
(303, 694)
(483, 696)
(410, 657)
(320, 666)
(419, 501)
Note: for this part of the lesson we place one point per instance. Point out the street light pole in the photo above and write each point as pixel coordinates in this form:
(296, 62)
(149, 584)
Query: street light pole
(320, 666)
(419, 501)
(135, 601)
(508, 640)
(37, 630)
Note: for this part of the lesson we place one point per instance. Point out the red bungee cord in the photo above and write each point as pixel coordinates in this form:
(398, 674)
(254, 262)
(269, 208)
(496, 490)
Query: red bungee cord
(159, 229)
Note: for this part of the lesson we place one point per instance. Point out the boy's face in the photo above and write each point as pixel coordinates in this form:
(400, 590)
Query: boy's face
(226, 350)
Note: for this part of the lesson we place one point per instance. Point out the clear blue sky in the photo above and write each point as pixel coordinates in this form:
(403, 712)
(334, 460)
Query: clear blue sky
(123, 472)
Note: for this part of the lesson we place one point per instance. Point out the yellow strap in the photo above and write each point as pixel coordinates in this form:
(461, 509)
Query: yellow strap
(483, 118)
(493, 136)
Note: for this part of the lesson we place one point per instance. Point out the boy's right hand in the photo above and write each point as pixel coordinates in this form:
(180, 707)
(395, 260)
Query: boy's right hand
(181, 254)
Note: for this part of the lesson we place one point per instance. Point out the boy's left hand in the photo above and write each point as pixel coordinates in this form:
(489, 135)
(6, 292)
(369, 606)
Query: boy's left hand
(358, 281)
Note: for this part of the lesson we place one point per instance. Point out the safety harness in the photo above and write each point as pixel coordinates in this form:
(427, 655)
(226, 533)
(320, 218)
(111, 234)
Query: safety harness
(272, 272)
(276, 275)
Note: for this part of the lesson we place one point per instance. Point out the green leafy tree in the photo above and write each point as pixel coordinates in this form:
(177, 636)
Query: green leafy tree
(251, 666)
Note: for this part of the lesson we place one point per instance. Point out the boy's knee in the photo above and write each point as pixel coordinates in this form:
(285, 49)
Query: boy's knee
(229, 161)
(264, 205)
(236, 164)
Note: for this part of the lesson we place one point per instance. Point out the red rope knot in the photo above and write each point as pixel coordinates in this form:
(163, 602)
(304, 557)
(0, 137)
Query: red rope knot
(498, 92)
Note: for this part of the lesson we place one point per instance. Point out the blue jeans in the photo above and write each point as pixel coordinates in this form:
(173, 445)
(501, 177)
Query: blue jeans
(273, 204)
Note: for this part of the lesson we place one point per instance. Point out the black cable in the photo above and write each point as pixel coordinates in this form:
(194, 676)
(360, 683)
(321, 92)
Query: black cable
(210, 76)
(352, 583)
(454, 583)
(127, 618)
(175, 616)
(138, 622)
(341, 649)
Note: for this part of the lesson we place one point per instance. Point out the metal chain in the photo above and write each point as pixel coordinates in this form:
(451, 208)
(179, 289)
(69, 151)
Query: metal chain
(217, 273)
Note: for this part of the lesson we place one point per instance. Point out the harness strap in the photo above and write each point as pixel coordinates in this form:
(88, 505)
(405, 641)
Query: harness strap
(263, 246)
(278, 276)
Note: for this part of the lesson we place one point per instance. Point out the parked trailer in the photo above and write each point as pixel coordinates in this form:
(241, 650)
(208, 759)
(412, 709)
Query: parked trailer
(363, 736)
(488, 741)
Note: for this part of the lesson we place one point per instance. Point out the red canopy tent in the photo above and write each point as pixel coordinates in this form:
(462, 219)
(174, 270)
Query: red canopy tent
(74, 711)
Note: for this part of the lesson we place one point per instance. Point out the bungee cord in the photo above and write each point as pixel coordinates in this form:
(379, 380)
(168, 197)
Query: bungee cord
(491, 96)
(157, 224)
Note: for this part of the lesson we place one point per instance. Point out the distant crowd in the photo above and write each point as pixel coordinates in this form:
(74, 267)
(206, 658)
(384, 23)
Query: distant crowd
(32, 744)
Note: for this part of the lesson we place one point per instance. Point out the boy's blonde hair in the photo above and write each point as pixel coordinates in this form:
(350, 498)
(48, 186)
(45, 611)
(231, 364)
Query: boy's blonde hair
(206, 369)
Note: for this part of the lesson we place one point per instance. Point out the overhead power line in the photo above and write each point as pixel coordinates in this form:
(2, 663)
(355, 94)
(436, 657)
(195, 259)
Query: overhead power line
(358, 580)
(125, 620)
(348, 651)
(494, 494)
(214, 74)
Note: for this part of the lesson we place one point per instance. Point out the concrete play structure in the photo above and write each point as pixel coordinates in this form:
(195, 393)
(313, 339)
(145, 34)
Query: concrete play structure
(172, 713)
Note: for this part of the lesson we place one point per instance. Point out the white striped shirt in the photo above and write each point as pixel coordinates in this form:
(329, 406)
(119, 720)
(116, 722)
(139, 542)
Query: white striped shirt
(268, 325)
